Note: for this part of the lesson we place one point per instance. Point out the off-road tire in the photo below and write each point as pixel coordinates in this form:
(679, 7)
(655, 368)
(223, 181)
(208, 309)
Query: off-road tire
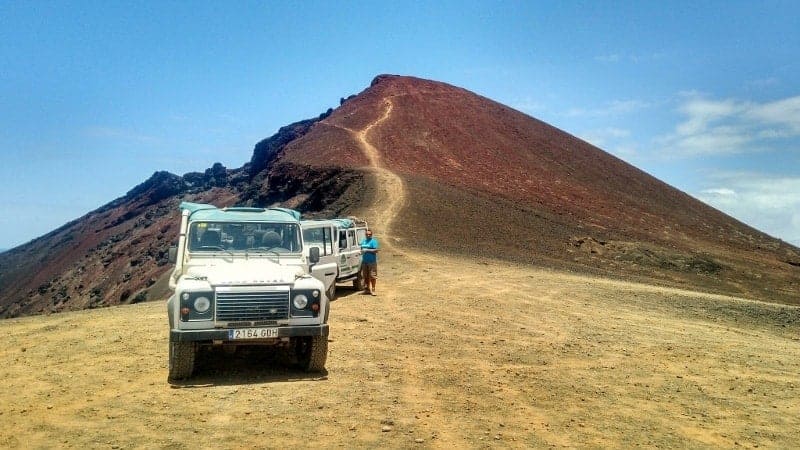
(312, 352)
(331, 292)
(181, 360)
(358, 283)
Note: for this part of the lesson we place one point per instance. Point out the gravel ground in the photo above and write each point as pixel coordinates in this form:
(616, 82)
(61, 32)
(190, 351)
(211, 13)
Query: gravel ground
(451, 353)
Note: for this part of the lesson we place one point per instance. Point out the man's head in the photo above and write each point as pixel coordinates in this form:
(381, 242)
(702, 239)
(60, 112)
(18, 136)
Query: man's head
(369, 234)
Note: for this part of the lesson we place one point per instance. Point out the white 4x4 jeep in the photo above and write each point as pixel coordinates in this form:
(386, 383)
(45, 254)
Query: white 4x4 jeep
(338, 241)
(242, 277)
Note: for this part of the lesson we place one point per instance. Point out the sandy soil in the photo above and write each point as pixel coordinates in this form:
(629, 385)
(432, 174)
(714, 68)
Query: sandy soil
(453, 352)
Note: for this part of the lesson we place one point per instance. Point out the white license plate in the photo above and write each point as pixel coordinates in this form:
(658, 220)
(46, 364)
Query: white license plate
(252, 333)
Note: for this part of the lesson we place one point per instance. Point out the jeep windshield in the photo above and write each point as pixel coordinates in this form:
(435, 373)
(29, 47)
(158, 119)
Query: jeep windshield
(244, 237)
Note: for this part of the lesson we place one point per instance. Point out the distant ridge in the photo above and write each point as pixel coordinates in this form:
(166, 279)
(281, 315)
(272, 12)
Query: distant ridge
(483, 179)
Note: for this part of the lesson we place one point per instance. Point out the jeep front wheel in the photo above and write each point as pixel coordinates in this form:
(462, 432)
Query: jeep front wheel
(181, 360)
(331, 292)
(312, 352)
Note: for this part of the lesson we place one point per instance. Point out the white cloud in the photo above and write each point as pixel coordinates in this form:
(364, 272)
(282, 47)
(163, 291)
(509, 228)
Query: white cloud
(730, 126)
(528, 105)
(611, 58)
(764, 82)
(613, 108)
(602, 136)
(704, 112)
(784, 113)
(617, 132)
(720, 192)
(611, 139)
(767, 202)
(120, 134)
(626, 152)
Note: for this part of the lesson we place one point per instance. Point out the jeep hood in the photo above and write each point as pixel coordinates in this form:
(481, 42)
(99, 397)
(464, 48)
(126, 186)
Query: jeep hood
(238, 272)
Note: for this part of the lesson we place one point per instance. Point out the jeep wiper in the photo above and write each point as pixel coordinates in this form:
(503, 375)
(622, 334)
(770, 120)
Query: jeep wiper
(214, 247)
(211, 247)
(269, 250)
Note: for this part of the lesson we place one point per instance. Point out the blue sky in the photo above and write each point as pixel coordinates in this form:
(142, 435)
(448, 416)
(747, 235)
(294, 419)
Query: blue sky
(96, 96)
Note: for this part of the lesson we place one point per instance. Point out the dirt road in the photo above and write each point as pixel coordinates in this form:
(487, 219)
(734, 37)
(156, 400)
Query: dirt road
(454, 352)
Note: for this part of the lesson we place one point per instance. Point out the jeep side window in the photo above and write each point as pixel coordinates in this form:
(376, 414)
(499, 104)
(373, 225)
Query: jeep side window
(314, 238)
(351, 237)
(327, 240)
(342, 239)
(319, 237)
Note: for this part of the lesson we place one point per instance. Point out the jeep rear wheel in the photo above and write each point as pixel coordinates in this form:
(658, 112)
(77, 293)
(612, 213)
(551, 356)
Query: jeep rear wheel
(181, 360)
(312, 352)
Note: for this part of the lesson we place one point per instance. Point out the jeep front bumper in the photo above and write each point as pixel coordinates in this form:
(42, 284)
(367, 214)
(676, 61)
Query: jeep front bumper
(222, 334)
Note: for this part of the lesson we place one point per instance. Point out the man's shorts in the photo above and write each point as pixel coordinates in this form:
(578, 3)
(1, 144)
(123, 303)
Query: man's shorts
(369, 270)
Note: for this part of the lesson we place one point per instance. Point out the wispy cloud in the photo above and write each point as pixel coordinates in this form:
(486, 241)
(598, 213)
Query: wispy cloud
(610, 58)
(528, 105)
(612, 108)
(767, 202)
(730, 126)
(764, 82)
(718, 192)
(611, 139)
(782, 114)
(601, 136)
(121, 134)
(613, 58)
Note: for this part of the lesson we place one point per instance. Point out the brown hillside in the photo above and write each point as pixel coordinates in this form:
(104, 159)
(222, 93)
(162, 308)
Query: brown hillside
(114, 255)
(486, 179)
(117, 254)
(477, 178)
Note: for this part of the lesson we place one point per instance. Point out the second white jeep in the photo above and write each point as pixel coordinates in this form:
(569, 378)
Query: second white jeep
(338, 241)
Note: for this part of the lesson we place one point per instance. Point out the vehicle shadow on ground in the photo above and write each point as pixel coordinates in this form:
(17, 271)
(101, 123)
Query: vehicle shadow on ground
(247, 365)
(348, 293)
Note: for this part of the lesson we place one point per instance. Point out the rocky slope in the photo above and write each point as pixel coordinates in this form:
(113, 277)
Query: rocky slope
(117, 254)
(481, 179)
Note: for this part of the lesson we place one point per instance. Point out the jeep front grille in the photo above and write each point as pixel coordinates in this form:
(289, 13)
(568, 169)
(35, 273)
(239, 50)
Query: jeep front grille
(238, 306)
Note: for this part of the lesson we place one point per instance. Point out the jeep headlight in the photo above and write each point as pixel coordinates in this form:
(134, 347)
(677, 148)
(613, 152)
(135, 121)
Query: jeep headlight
(300, 301)
(202, 303)
(197, 305)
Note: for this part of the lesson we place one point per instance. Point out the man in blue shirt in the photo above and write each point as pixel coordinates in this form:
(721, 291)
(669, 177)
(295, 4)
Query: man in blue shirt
(369, 262)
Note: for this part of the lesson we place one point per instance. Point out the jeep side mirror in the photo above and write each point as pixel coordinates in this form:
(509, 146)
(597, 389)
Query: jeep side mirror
(313, 255)
(173, 254)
